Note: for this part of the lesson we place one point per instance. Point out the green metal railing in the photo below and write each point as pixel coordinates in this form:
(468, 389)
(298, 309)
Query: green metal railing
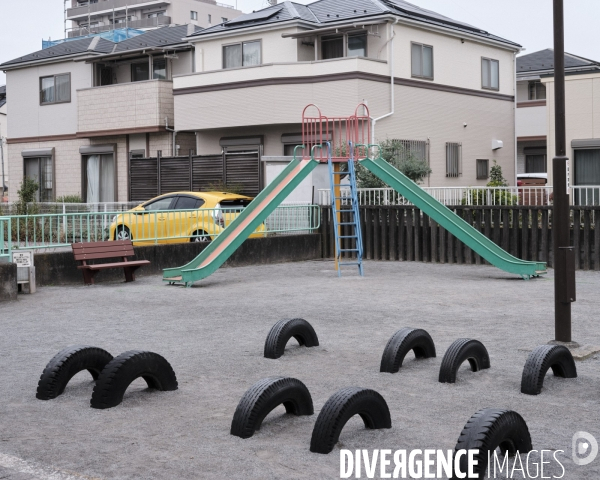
(5, 238)
(148, 227)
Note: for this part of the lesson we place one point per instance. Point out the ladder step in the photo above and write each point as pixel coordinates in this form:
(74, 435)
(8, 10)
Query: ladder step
(346, 264)
(347, 223)
(348, 250)
(348, 236)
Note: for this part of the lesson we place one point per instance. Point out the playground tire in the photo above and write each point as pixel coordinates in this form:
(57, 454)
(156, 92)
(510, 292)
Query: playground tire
(124, 369)
(66, 364)
(489, 429)
(463, 349)
(540, 360)
(283, 330)
(402, 342)
(264, 396)
(340, 408)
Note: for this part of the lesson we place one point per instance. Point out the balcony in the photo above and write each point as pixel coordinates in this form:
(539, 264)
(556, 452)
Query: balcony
(107, 6)
(125, 108)
(144, 23)
(277, 93)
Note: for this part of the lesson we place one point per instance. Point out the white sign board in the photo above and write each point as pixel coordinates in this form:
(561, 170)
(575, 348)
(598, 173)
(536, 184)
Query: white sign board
(23, 258)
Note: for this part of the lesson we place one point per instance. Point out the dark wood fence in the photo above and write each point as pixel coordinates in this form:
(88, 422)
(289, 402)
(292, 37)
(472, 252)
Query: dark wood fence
(405, 233)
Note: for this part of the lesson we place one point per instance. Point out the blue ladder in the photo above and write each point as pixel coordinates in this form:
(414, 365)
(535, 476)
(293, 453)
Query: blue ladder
(353, 222)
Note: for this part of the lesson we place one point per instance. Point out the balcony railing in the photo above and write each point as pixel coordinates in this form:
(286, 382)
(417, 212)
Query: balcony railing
(109, 5)
(143, 23)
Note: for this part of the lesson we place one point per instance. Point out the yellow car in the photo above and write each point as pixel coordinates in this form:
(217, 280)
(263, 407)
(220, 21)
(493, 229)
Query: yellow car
(180, 217)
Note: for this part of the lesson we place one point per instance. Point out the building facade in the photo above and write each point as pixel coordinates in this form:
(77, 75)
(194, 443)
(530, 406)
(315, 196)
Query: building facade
(96, 16)
(82, 108)
(535, 119)
(443, 86)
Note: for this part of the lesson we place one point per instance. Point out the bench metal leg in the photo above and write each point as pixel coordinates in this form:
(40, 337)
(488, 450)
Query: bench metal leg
(130, 273)
(88, 276)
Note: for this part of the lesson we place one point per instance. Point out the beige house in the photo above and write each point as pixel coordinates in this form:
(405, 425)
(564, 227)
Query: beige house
(83, 107)
(446, 88)
(535, 120)
(96, 16)
(3, 134)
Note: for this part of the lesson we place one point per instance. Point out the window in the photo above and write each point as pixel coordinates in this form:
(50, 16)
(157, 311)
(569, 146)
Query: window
(483, 169)
(241, 54)
(156, 14)
(122, 20)
(194, 15)
(587, 172)
(159, 69)
(137, 154)
(535, 164)
(453, 159)
(332, 47)
(490, 74)
(223, 19)
(537, 91)
(55, 89)
(39, 169)
(140, 72)
(160, 204)
(188, 203)
(357, 45)
(422, 61)
(99, 178)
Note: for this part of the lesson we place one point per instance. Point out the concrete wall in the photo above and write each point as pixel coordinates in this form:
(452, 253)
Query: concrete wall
(532, 121)
(126, 106)
(8, 281)
(60, 268)
(582, 112)
(28, 117)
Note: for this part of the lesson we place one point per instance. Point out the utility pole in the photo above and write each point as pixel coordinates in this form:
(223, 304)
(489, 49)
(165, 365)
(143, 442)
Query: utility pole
(564, 254)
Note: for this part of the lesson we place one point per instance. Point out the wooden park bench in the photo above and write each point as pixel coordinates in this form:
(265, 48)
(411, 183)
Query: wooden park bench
(84, 252)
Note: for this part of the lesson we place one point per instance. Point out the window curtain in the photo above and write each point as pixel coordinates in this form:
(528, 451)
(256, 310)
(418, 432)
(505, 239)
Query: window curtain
(233, 56)
(428, 62)
(48, 90)
(93, 179)
(495, 74)
(107, 178)
(417, 60)
(332, 48)
(587, 167)
(251, 53)
(63, 88)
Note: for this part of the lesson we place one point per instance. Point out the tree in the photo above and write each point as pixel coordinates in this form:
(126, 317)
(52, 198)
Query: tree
(395, 152)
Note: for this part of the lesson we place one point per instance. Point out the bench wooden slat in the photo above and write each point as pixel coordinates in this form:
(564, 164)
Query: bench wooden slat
(100, 244)
(103, 266)
(98, 256)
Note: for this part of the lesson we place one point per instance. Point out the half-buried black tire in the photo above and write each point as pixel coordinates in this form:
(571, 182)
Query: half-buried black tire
(540, 360)
(402, 342)
(264, 396)
(124, 369)
(66, 364)
(285, 329)
(340, 408)
(487, 430)
(463, 349)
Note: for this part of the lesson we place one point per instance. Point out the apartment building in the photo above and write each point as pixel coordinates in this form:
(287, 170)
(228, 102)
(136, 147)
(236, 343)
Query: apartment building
(535, 117)
(83, 107)
(96, 16)
(444, 87)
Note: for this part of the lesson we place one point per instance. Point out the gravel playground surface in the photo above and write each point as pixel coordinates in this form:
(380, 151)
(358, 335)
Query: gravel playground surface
(213, 335)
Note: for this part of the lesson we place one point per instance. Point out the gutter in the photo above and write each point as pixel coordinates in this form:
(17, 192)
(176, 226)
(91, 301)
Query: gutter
(392, 77)
(74, 57)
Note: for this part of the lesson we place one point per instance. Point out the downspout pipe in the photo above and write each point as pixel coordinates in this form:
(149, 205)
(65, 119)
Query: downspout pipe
(392, 77)
(174, 135)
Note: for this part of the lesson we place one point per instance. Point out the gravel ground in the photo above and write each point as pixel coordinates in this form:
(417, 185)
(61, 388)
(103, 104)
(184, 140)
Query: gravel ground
(213, 336)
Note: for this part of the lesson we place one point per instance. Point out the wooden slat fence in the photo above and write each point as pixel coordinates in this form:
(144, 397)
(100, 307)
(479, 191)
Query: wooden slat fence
(404, 233)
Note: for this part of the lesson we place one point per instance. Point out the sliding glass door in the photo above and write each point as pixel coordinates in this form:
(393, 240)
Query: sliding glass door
(99, 172)
(587, 172)
(39, 169)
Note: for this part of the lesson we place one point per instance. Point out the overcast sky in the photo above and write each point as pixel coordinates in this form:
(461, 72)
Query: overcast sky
(23, 24)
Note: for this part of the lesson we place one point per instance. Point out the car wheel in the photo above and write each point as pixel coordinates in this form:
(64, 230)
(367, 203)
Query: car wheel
(200, 236)
(123, 233)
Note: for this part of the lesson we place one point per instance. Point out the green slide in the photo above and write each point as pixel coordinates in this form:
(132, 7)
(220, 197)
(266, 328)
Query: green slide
(472, 238)
(213, 256)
